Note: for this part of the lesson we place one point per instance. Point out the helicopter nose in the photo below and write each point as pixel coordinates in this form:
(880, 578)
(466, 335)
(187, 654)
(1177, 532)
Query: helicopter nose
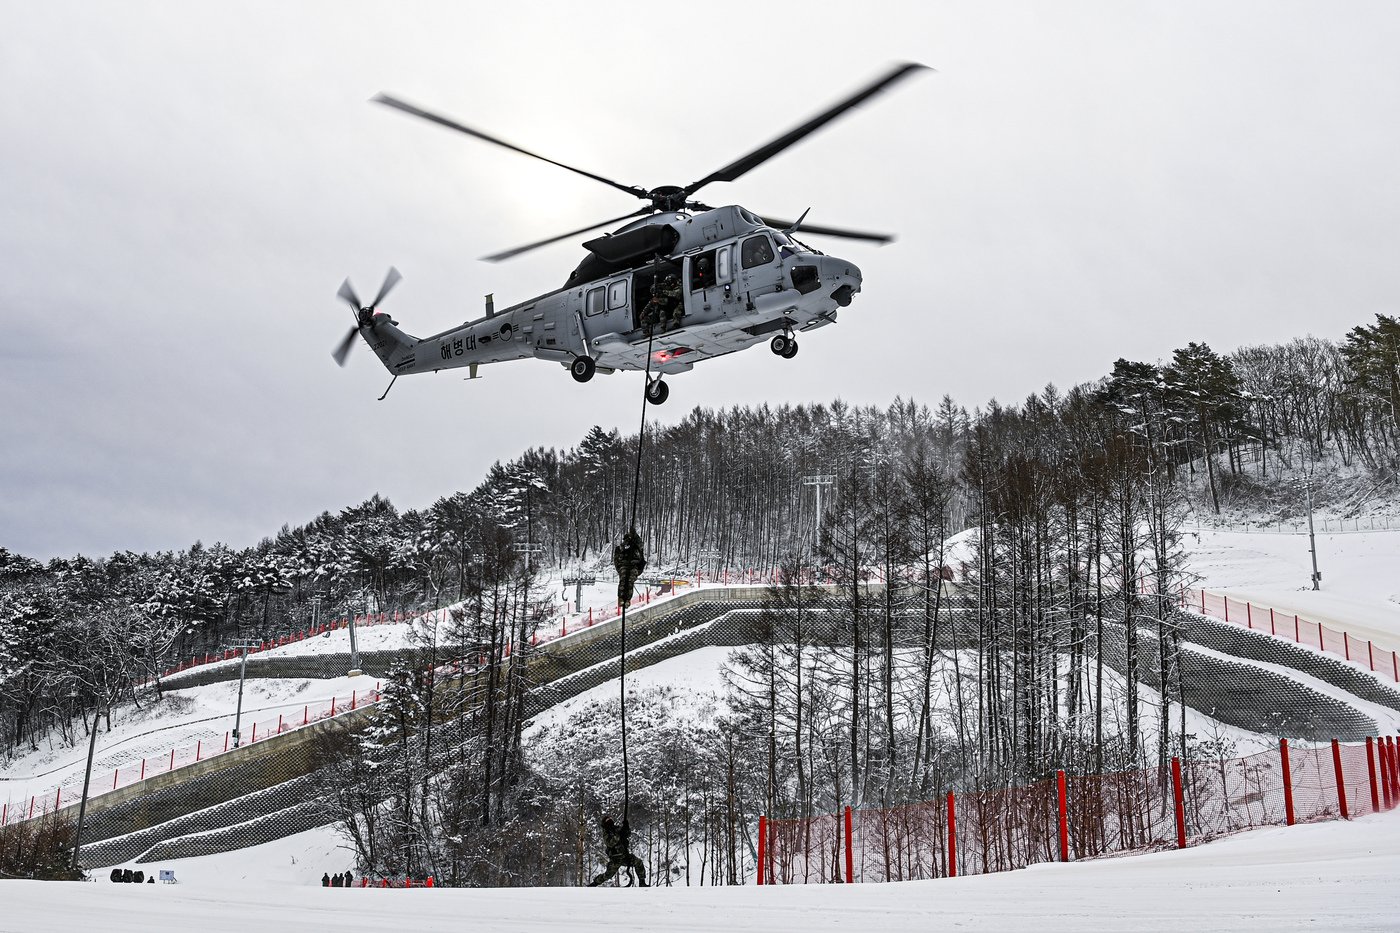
(844, 278)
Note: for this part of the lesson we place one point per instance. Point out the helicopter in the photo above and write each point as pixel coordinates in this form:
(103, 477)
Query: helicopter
(678, 283)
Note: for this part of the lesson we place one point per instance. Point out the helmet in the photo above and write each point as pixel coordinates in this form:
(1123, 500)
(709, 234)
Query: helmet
(608, 822)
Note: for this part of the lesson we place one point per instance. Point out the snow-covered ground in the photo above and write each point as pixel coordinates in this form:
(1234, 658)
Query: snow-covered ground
(1360, 576)
(1326, 876)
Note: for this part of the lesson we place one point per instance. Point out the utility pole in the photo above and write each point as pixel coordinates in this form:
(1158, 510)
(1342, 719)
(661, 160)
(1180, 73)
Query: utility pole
(242, 671)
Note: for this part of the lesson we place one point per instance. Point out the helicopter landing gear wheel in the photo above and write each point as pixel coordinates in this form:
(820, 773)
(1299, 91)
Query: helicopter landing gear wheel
(582, 368)
(658, 392)
(779, 344)
(791, 350)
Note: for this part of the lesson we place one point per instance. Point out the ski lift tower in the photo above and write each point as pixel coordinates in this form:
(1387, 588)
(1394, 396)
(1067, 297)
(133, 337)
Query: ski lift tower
(819, 480)
(578, 579)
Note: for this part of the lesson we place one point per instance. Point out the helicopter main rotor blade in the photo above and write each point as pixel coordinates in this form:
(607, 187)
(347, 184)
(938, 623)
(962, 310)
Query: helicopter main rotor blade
(391, 279)
(388, 101)
(497, 257)
(343, 349)
(807, 228)
(762, 154)
(347, 291)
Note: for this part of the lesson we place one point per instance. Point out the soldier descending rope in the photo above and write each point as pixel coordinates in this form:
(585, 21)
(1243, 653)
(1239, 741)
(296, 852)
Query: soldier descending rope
(630, 560)
(617, 841)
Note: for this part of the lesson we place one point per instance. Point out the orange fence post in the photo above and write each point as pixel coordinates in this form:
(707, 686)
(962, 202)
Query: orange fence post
(198, 746)
(225, 741)
(850, 851)
(762, 843)
(1180, 803)
(332, 706)
(1249, 615)
(953, 835)
(172, 760)
(115, 772)
(1064, 815)
(1371, 772)
(1341, 783)
(255, 734)
(1287, 780)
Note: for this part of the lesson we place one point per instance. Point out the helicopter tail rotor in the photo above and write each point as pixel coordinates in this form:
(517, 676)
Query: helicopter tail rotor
(363, 314)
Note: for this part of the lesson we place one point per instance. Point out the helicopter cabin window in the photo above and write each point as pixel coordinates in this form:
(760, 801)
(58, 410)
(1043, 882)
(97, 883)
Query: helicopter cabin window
(702, 270)
(757, 251)
(597, 303)
(617, 295)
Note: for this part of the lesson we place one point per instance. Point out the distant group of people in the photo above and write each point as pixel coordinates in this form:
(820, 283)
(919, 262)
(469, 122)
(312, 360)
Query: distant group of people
(339, 880)
(127, 876)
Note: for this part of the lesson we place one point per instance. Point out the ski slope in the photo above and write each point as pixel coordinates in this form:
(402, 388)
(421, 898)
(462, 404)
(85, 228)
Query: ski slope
(1325, 876)
(1360, 576)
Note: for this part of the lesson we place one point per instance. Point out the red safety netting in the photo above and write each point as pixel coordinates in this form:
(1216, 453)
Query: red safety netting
(1103, 814)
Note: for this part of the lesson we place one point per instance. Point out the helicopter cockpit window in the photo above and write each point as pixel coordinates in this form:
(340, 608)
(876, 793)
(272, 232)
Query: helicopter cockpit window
(787, 245)
(597, 303)
(702, 271)
(757, 251)
(617, 295)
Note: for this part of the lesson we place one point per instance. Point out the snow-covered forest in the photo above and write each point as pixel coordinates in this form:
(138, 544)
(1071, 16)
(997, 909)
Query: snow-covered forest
(1073, 499)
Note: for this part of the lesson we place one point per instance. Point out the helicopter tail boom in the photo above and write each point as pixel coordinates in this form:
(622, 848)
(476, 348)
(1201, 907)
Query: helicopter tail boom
(395, 349)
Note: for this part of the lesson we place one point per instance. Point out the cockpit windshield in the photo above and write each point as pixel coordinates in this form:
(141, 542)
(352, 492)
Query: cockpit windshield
(788, 245)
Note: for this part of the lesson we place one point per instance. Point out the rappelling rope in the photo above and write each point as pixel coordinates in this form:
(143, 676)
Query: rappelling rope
(632, 525)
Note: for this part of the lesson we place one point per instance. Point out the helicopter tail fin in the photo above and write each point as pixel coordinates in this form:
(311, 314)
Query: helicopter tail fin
(395, 349)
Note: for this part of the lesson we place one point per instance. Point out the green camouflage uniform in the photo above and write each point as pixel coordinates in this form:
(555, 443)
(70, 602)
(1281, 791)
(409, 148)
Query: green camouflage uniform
(617, 843)
(630, 560)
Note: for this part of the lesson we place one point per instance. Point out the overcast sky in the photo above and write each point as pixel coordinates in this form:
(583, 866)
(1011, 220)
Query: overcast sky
(185, 185)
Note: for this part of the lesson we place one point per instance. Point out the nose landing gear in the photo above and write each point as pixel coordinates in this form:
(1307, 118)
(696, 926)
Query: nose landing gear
(784, 345)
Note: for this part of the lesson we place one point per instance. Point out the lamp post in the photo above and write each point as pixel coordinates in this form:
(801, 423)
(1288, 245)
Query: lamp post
(87, 780)
(242, 671)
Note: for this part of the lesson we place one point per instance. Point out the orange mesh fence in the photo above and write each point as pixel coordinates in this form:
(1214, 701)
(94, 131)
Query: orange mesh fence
(1003, 829)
